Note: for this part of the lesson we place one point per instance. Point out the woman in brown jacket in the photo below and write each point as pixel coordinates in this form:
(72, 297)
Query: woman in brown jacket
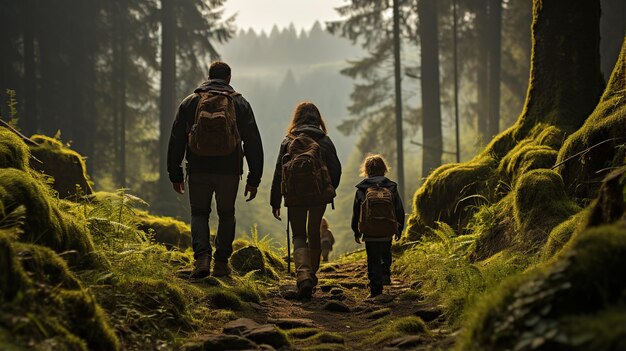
(306, 175)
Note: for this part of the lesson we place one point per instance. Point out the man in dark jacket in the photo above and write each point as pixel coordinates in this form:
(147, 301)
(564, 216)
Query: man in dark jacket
(219, 175)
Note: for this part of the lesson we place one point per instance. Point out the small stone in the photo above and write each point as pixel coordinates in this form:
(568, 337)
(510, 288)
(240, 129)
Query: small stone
(383, 299)
(337, 297)
(326, 288)
(255, 305)
(291, 323)
(239, 326)
(337, 291)
(221, 342)
(336, 306)
(406, 342)
(268, 334)
(429, 314)
(289, 293)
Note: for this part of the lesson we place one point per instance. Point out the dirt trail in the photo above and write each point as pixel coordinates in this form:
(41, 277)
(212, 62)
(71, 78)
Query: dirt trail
(347, 285)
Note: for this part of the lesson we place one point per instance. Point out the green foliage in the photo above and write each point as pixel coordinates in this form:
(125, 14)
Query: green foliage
(12, 105)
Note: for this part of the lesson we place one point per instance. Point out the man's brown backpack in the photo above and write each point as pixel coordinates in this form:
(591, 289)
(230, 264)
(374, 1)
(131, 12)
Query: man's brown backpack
(214, 131)
(378, 215)
(305, 177)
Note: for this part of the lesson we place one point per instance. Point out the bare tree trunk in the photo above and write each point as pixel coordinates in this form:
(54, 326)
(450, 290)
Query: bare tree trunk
(495, 47)
(431, 107)
(30, 119)
(168, 85)
(398, 86)
(482, 71)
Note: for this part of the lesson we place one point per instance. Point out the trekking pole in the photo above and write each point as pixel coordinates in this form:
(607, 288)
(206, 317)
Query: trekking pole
(288, 249)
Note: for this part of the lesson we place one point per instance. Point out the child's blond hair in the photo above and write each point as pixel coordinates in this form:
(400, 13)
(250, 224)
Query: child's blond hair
(373, 165)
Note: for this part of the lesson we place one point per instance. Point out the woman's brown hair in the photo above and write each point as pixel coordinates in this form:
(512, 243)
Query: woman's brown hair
(306, 113)
(373, 165)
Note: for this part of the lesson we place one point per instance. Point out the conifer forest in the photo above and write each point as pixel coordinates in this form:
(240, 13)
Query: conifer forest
(501, 126)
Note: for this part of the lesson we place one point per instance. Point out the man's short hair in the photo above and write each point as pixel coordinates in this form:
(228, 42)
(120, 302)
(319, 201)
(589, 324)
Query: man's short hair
(219, 70)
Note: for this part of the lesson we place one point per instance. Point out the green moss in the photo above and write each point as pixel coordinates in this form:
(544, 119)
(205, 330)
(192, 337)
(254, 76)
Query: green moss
(324, 338)
(605, 330)
(224, 299)
(561, 234)
(540, 204)
(13, 151)
(302, 333)
(410, 295)
(64, 165)
(87, 320)
(12, 278)
(392, 328)
(46, 224)
(606, 125)
(45, 266)
(47, 302)
(166, 230)
(583, 279)
(439, 198)
(538, 150)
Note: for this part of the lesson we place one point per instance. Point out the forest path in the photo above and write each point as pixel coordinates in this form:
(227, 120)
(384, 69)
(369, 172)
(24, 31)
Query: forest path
(340, 305)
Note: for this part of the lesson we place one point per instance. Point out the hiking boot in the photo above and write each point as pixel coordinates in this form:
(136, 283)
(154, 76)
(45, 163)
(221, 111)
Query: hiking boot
(221, 269)
(315, 264)
(202, 267)
(386, 280)
(302, 258)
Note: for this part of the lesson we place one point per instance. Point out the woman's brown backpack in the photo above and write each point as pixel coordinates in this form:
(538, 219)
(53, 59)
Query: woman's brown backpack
(305, 177)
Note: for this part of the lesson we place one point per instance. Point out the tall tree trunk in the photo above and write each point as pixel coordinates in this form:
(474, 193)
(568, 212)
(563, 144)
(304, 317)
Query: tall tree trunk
(612, 31)
(431, 107)
(482, 70)
(168, 85)
(495, 47)
(398, 104)
(30, 119)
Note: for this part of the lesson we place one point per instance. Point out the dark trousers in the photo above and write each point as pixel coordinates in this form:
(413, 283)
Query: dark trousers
(378, 263)
(201, 189)
(305, 225)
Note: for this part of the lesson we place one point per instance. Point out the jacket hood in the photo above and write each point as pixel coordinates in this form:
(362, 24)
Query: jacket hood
(311, 130)
(214, 84)
(382, 180)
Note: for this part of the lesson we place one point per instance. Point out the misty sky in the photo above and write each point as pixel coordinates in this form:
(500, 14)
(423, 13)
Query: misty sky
(263, 14)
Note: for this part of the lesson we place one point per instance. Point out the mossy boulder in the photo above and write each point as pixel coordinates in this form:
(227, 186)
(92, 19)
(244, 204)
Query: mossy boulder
(65, 166)
(166, 230)
(45, 223)
(441, 196)
(248, 259)
(40, 291)
(538, 310)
